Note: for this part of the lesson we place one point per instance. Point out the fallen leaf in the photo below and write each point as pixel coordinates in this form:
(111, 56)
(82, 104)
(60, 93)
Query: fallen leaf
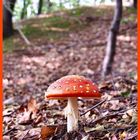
(123, 135)
(114, 138)
(8, 112)
(28, 133)
(85, 137)
(97, 127)
(47, 131)
(32, 105)
(114, 104)
(6, 137)
(25, 117)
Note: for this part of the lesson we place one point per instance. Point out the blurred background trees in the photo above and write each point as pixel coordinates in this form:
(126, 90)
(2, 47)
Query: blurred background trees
(21, 9)
(31, 8)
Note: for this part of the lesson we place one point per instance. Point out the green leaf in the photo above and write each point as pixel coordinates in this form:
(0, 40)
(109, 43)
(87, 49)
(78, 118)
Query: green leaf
(125, 94)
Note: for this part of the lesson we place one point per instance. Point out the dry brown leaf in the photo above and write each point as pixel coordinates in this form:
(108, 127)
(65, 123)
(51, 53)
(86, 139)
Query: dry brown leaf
(6, 137)
(38, 119)
(114, 104)
(25, 117)
(7, 111)
(97, 127)
(47, 131)
(28, 133)
(114, 138)
(85, 137)
(103, 85)
(123, 135)
(32, 106)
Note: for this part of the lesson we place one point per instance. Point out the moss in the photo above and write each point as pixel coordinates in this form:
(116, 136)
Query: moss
(87, 11)
(131, 10)
(58, 22)
(126, 20)
(8, 45)
(57, 26)
(77, 11)
(53, 27)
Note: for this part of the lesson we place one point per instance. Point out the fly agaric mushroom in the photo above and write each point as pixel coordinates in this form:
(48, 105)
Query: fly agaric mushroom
(71, 87)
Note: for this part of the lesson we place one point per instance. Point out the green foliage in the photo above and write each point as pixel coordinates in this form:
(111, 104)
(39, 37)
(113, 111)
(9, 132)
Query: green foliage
(125, 94)
(77, 11)
(53, 27)
(8, 45)
(58, 22)
(128, 19)
(30, 7)
(131, 10)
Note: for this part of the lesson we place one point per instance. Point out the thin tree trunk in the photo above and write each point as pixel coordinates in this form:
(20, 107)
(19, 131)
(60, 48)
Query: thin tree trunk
(40, 5)
(23, 12)
(60, 4)
(8, 7)
(78, 2)
(135, 3)
(112, 38)
(49, 5)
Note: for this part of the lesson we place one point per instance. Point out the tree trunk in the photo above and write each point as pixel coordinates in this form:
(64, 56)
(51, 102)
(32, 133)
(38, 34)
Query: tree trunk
(24, 9)
(112, 37)
(49, 5)
(60, 4)
(78, 2)
(8, 7)
(135, 3)
(23, 12)
(40, 5)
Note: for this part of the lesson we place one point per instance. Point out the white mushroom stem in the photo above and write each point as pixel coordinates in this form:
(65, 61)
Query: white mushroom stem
(71, 112)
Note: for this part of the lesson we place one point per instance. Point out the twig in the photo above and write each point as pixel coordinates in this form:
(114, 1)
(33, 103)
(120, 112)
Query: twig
(104, 117)
(17, 27)
(25, 135)
(115, 129)
(23, 36)
(12, 129)
(118, 113)
(6, 5)
(93, 107)
(132, 136)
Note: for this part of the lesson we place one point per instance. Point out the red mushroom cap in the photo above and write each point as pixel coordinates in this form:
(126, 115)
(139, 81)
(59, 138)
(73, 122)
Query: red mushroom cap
(72, 86)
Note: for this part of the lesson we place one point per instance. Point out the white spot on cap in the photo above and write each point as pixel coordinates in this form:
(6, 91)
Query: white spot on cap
(94, 91)
(67, 89)
(87, 91)
(80, 86)
(74, 88)
(87, 85)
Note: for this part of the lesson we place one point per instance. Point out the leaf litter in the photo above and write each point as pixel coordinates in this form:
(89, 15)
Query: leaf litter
(28, 73)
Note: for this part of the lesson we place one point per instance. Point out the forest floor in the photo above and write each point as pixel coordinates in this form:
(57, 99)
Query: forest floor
(64, 43)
